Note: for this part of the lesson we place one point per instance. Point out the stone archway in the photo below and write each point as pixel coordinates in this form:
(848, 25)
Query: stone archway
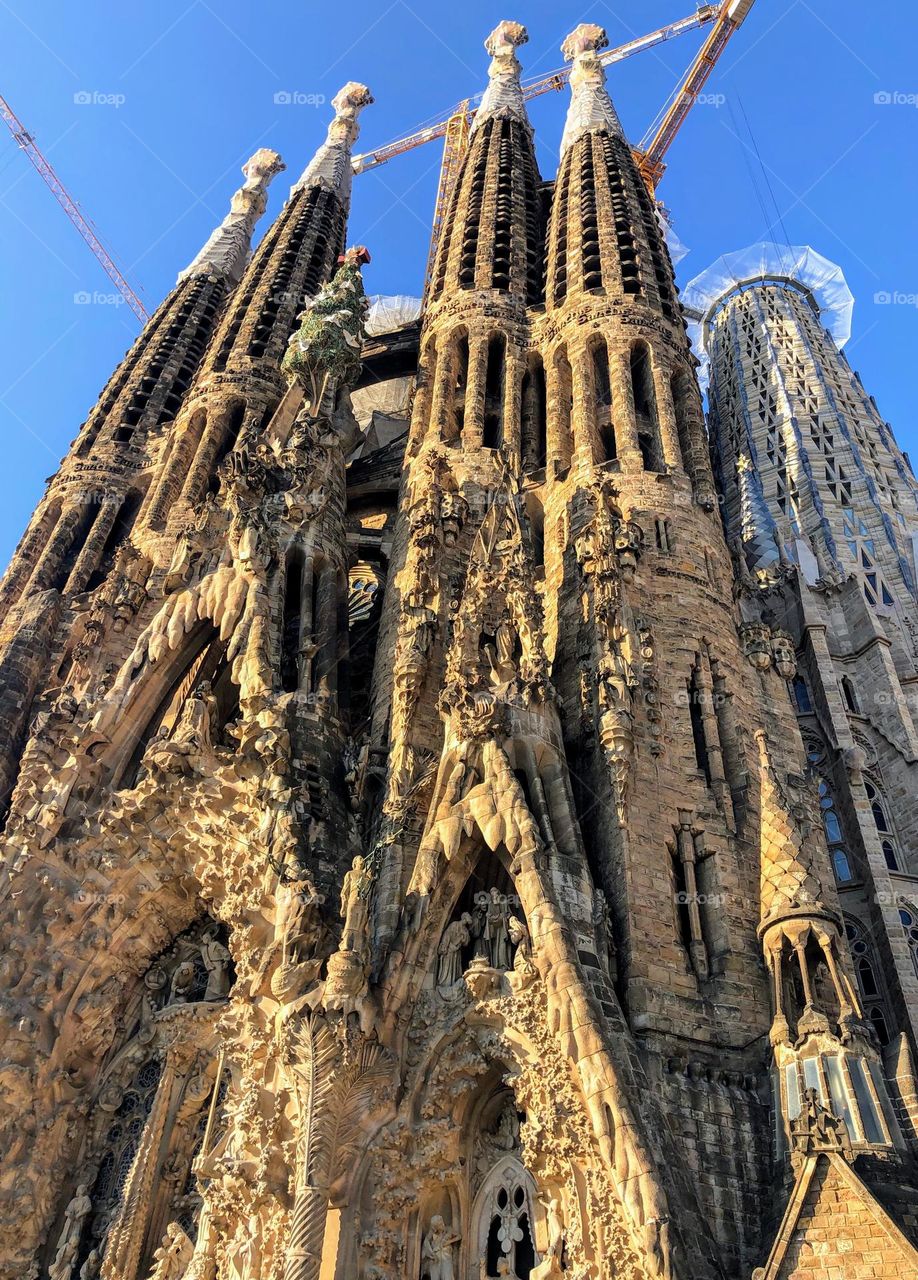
(503, 1223)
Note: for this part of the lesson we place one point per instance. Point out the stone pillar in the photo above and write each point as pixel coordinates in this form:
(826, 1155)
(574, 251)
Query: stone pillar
(623, 415)
(666, 418)
(59, 544)
(91, 555)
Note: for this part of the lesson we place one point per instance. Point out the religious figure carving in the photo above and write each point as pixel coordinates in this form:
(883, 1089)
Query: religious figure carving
(68, 1243)
(182, 982)
(217, 962)
(550, 1268)
(355, 907)
(437, 1251)
(495, 930)
(455, 938)
(297, 925)
(523, 968)
(173, 1255)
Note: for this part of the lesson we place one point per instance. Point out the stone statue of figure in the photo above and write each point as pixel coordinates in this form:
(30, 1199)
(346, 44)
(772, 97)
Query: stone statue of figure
(91, 1267)
(550, 1268)
(501, 655)
(496, 930)
(196, 724)
(217, 962)
(522, 957)
(455, 937)
(68, 1244)
(355, 907)
(297, 927)
(182, 982)
(437, 1251)
(173, 1255)
(479, 925)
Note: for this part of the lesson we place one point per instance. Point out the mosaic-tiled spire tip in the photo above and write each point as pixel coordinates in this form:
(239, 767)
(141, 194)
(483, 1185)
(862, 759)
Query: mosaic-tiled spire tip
(227, 251)
(331, 165)
(503, 98)
(591, 108)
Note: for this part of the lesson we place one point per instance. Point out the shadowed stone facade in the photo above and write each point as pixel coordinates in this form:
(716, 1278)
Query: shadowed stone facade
(418, 862)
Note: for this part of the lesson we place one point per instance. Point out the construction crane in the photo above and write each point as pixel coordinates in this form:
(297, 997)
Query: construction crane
(26, 142)
(455, 128)
(730, 18)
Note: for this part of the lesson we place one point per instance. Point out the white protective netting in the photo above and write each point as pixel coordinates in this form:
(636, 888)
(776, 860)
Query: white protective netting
(389, 312)
(770, 262)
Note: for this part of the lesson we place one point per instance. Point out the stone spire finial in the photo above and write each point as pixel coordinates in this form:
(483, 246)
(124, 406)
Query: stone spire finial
(227, 251)
(591, 108)
(503, 98)
(331, 167)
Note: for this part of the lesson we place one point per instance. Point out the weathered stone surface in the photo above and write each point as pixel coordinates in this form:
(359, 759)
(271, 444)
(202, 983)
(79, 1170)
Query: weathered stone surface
(414, 866)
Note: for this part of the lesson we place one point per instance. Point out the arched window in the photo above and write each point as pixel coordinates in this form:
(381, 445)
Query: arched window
(645, 407)
(503, 1221)
(460, 377)
(884, 830)
(534, 448)
(120, 1146)
(850, 696)
(536, 514)
(231, 433)
(867, 981)
(602, 391)
(909, 918)
(492, 434)
(834, 837)
(802, 696)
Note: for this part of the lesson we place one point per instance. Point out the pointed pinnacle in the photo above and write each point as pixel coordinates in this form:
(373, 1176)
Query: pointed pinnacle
(591, 109)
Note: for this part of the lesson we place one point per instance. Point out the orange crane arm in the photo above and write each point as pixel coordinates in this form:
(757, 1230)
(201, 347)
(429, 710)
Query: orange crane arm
(24, 139)
(730, 18)
(704, 15)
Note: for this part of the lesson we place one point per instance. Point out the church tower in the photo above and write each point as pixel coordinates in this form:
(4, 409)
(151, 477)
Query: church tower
(821, 507)
(418, 864)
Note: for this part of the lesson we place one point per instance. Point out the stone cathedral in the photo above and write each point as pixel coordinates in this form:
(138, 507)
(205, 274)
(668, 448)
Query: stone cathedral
(458, 804)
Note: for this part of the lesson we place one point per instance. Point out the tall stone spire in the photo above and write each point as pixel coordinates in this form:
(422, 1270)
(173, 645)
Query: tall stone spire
(492, 236)
(503, 98)
(591, 108)
(330, 168)
(227, 252)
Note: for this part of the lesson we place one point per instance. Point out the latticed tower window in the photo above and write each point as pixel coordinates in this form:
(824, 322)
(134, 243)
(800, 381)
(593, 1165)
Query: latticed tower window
(865, 969)
(909, 918)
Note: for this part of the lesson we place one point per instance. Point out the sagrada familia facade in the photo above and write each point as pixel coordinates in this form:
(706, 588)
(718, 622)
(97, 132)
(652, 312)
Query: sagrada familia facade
(458, 806)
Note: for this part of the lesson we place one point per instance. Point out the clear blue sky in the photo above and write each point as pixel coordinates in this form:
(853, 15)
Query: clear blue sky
(182, 91)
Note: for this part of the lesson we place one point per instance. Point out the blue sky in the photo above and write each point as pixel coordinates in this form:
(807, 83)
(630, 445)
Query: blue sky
(182, 91)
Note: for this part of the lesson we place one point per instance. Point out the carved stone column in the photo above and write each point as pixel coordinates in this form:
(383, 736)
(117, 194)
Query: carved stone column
(89, 558)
